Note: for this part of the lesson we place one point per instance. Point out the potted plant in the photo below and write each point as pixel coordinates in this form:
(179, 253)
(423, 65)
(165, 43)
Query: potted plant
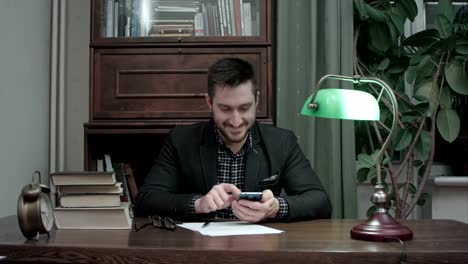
(428, 71)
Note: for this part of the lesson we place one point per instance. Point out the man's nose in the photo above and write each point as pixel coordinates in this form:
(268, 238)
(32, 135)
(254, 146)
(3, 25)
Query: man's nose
(236, 119)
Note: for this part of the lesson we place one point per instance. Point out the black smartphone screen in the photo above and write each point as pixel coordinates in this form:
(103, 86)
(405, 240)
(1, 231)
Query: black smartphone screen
(251, 196)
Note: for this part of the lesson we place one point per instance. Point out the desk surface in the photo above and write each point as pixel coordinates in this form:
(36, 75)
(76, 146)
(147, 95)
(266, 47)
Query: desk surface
(318, 241)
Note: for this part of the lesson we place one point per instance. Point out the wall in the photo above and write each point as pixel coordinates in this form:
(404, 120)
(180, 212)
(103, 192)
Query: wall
(24, 95)
(76, 80)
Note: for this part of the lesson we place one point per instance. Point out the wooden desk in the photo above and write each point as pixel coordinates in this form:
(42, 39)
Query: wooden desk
(318, 241)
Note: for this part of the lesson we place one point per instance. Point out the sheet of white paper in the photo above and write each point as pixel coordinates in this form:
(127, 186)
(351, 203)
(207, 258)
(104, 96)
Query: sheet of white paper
(233, 228)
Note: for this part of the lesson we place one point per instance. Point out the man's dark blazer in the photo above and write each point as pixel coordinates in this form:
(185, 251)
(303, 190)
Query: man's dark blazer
(186, 167)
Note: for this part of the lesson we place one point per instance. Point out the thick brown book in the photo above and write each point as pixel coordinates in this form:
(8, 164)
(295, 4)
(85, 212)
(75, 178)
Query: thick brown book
(89, 200)
(83, 178)
(91, 189)
(93, 218)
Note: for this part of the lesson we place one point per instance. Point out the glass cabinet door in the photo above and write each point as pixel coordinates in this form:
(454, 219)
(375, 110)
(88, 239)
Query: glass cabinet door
(179, 18)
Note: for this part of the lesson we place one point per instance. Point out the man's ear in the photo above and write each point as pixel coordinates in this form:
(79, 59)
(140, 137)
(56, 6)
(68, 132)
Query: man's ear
(209, 102)
(257, 98)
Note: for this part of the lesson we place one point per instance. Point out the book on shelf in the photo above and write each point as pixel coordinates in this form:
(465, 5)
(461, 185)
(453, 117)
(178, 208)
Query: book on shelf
(89, 200)
(199, 24)
(171, 35)
(108, 163)
(83, 178)
(132, 186)
(93, 218)
(121, 175)
(91, 189)
(247, 19)
(100, 165)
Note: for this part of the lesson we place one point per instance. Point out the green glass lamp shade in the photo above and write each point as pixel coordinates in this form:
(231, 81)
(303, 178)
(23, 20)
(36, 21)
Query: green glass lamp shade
(343, 104)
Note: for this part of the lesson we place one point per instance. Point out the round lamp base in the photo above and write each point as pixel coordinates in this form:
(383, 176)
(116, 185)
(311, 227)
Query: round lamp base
(381, 227)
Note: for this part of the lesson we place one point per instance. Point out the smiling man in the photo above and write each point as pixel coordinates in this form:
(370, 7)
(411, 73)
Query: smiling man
(202, 168)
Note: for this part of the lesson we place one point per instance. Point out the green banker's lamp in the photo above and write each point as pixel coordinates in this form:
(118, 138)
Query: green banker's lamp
(358, 105)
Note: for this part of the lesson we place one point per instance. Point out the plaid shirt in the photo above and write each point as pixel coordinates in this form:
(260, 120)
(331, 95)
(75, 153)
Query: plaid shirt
(231, 169)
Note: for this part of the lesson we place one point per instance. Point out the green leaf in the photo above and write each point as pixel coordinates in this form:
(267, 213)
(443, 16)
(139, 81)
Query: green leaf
(426, 92)
(422, 38)
(417, 163)
(421, 202)
(411, 188)
(446, 98)
(410, 74)
(360, 6)
(375, 14)
(423, 198)
(380, 36)
(408, 8)
(365, 160)
(462, 46)
(445, 8)
(415, 59)
(425, 195)
(383, 64)
(398, 20)
(421, 108)
(402, 139)
(420, 98)
(424, 144)
(425, 66)
(444, 26)
(398, 68)
(446, 44)
(372, 175)
(362, 174)
(421, 170)
(410, 116)
(374, 155)
(385, 161)
(448, 124)
(456, 77)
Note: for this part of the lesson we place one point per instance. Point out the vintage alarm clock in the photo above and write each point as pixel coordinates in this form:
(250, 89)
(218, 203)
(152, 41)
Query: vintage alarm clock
(35, 210)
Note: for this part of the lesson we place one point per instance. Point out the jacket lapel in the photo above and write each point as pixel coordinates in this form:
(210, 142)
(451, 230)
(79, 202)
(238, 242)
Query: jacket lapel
(254, 159)
(208, 157)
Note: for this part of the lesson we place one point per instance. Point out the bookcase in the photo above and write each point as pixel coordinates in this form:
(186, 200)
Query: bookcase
(148, 69)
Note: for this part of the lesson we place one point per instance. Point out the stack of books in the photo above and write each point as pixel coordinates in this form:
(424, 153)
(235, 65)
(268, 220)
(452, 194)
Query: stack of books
(90, 200)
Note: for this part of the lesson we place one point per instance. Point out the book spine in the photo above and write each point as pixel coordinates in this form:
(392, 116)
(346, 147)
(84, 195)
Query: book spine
(217, 22)
(116, 20)
(237, 17)
(241, 4)
(221, 18)
(121, 19)
(198, 25)
(247, 19)
(227, 10)
(109, 18)
(210, 19)
(205, 19)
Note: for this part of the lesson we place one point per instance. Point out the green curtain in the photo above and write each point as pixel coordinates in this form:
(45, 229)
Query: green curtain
(314, 38)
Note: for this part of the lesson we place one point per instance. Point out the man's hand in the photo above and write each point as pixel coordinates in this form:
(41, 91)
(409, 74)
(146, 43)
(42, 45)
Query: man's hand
(219, 197)
(253, 212)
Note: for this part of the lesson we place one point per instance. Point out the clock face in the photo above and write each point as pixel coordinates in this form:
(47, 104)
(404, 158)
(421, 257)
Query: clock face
(47, 213)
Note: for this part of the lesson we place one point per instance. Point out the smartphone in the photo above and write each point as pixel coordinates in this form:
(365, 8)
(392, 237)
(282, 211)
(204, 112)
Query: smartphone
(251, 196)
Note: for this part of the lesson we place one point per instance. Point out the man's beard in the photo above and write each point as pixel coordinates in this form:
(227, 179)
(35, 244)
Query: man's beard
(226, 136)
